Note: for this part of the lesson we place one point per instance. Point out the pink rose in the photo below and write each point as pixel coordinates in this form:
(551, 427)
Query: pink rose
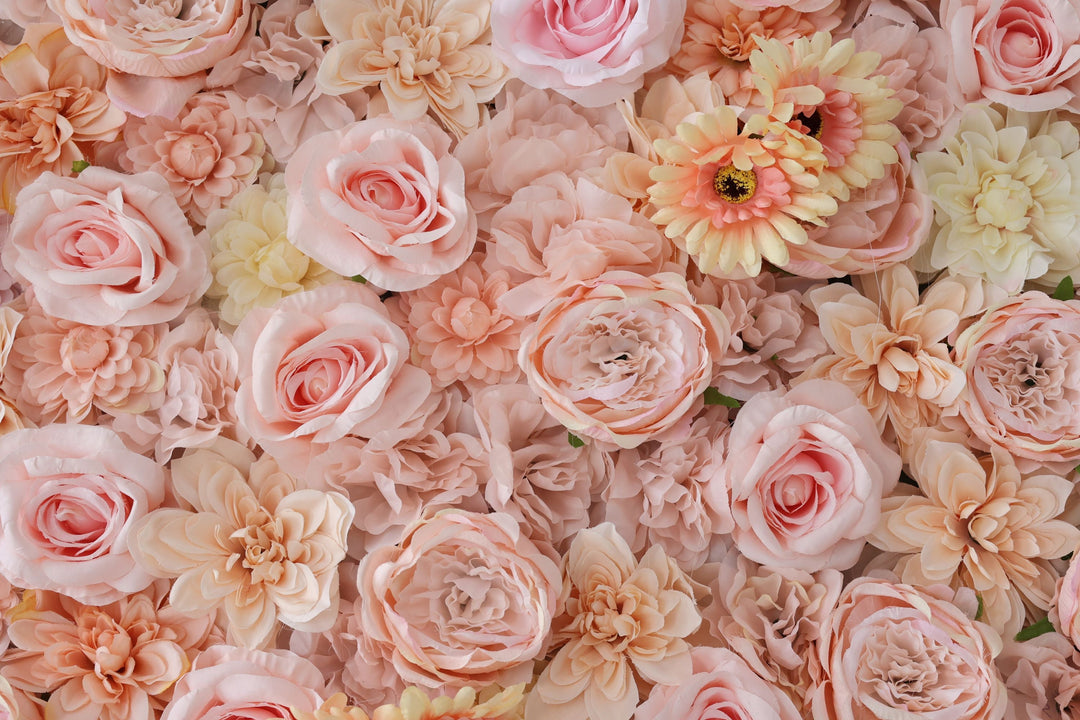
(623, 358)
(106, 248)
(593, 51)
(70, 496)
(807, 470)
(1024, 54)
(321, 365)
(1065, 610)
(381, 199)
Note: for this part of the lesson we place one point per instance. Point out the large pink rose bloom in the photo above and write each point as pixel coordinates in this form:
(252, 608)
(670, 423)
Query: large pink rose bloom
(807, 470)
(593, 51)
(321, 365)
(623, 358)
(381, 199)
(1024, 54)
(69, 499)
(106, 248)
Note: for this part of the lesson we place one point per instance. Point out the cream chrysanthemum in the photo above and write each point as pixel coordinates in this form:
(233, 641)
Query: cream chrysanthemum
(730, 197)
(1005, 191)
(254, 265)
(415, 705)
(829, 91)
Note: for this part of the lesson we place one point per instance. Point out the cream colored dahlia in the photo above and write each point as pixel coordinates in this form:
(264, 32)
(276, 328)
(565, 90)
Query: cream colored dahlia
(416, 705)
(253, 263)
(829, 91)
(424, 55)
(732, 196)
(1006, 190)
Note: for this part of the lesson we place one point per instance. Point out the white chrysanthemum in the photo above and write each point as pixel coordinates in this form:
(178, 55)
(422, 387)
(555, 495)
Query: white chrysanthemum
(254, 265)
(1006, 193)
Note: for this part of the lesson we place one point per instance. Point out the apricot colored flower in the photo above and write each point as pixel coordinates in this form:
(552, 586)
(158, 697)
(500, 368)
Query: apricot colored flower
(837, 99)
(424, 56)
(114, 662)
(978, 522)
(253, 543)
(731, 195)
(416, 705)
(53, 107)
(253, 262)
(625, 621)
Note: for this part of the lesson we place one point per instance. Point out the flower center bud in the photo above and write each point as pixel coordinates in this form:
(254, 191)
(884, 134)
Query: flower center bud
(813, 123)
(734, 185)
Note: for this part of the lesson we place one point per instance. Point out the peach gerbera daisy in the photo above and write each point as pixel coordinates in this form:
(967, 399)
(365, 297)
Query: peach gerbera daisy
(829, 91)
(730, 197)
(415, 705)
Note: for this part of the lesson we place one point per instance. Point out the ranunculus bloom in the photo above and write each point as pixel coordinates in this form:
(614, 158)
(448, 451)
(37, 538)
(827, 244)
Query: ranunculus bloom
(116, 662)
(268, 548)
(807, 469)
(382, 199)
(1022, 363)
(594, 52)
(623, 358)
(722, 687)
(323, 364)
(465, 599)
(892, 650)
(1043, 678)
(106, 248)
(68, 504)
(1023, 54)
(624, 620)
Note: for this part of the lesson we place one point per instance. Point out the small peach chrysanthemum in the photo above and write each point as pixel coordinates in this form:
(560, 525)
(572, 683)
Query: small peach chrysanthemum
(730, 197)
(416, 705)
(829, 91)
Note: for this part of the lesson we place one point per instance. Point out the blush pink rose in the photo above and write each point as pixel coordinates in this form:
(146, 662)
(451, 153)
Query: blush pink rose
(1024, 54)
(593, 51)
(70, 497)
(381, 199)
(106, 248)
(1065, 611)
(807, 470)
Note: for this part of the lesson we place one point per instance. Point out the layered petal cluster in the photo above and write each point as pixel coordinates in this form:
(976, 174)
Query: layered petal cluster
(415, 704)
(1043, 678)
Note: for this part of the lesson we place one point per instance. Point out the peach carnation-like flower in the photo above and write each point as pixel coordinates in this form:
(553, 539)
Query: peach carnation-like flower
(416, 705)
(979, 523)
(53, 107)
(731, 193)
(114, 662)
(424, 55)
(1043, 678)
(253, 262)
(207, 153)
(253, 543)
(1002, 209)
(624, 620)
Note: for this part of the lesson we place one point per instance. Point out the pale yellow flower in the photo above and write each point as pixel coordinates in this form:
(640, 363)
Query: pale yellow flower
(416, 705)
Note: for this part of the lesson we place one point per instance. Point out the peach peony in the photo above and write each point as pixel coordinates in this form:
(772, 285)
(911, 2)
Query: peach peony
(623, 620)
(1043, 678)
(253, 543)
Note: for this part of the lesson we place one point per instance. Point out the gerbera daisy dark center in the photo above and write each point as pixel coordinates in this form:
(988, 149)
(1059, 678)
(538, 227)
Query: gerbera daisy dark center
(813, 124)
(734, 185)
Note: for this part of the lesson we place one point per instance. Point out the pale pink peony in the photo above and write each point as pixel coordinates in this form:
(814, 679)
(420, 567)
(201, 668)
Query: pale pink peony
(382, 199)
(1043, 678)
(116, 662)
(1065, 607)
(892, 650)
(593, 52)
(465, 599)
(722, 687)
(623, 358)
(363, 667)
(207, 153)
(268, 548)
(106, 248)
(70, 499)
(228, 683)
(806, 469)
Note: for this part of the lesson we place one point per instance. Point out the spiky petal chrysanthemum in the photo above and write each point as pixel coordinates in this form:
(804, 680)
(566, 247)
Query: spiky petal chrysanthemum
(730, 197)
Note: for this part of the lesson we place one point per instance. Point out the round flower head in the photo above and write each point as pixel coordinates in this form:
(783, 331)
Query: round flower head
(730, 197)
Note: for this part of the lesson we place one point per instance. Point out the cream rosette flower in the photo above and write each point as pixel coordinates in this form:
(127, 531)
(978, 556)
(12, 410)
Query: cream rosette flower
(1005, 192)
(464, 599)
(622, 358)
(624, 620)
(382, 199)
(252, 542)
(891, 650)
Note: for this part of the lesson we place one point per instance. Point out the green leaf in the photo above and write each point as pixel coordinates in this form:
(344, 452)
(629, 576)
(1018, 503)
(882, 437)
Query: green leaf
(78, 166)
(1065, 289)
(715, 397)
(360, 279)
(574, 440)
(982, 608)
(1033, 631)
